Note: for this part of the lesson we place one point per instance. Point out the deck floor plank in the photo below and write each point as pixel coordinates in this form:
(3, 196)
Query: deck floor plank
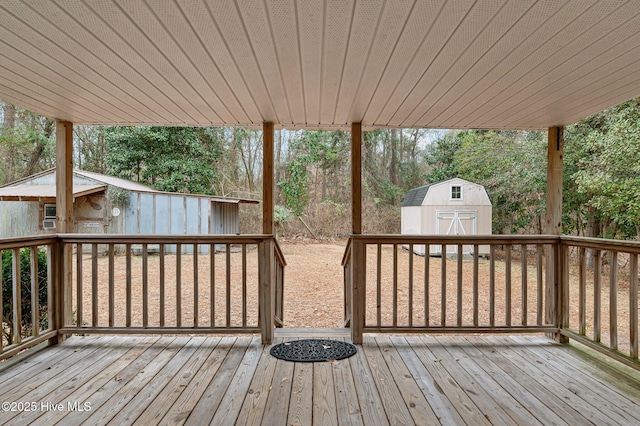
(615, 406)
(233, 399)
(494, 353)
(591, 411)
(421, 379)
(495, 412)
(511, 405)
(440, 404)
(252, 410)
(82, 372)
(371, 406)
(170, 393)
(189, 397)
(325, 411)
(349, 412)
(414, 399)
(110, 408)
(139, 404)
(301, 400)
(209, 403)
(394, 405)
(443, 380)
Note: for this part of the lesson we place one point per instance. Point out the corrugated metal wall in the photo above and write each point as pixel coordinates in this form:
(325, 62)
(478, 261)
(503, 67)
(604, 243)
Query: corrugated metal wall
(148, 213)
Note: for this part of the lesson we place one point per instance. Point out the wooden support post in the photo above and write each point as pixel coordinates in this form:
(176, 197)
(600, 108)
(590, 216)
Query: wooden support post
(64, 213)
(553, 226)
(358, 248)
(356, 178)
(267, 290)
(267, 179)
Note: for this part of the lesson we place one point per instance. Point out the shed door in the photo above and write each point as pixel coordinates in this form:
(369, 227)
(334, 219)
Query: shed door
(456, 222)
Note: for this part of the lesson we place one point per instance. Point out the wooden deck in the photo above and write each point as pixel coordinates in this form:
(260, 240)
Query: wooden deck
(391, 380)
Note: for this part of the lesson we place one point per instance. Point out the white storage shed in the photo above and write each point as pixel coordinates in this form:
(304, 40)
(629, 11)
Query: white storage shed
(450, 207)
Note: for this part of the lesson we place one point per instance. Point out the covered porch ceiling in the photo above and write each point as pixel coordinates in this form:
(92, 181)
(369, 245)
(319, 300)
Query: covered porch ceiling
(500, 64)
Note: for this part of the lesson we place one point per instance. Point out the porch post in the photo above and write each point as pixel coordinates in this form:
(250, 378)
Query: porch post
(64, 219)
(553, 226)
(358, 256)
(267, 292)
(267, 178)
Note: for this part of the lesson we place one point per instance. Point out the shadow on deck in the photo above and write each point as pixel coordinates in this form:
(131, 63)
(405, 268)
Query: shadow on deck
(407, 379)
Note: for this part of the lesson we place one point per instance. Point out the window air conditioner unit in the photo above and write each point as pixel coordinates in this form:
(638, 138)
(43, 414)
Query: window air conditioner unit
(49, 224)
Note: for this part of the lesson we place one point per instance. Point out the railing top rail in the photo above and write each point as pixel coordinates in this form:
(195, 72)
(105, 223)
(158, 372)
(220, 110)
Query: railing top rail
(456, 239)
(278, 252)
(164, 239)
(347, 252)
(20, 242)
(602, 243)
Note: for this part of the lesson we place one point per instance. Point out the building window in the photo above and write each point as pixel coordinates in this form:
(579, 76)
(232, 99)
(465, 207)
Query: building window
(456, 192)
(49, 212)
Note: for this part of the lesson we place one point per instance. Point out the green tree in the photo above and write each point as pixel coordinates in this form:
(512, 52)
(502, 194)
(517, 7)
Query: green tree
(175, 159)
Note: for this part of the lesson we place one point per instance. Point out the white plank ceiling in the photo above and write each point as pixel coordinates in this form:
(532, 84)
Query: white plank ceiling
(502, 64)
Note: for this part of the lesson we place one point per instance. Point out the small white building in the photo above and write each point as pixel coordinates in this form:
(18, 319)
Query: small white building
(450, 207)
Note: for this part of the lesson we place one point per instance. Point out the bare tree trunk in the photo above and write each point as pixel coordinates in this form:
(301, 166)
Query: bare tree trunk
(593, 229)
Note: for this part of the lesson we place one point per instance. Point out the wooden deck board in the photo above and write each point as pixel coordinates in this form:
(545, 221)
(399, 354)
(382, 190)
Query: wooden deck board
(234, 380)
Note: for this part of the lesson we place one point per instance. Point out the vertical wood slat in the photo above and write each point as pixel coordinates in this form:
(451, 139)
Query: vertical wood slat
(410, 290)
(196, 289)
(395, 285)
(178, 285)
(79, 289)
(563, 319)
(582, 290)
(128, 285)
(94, 285)
(161, 285)
(112, 292)
(16, 296)
(507, 283)
(459, 288)
(358, 293)
(51, 311)
(613, 301)
(2, 296)
(426, 284)
(443, 291)
(35, 292)
(378, 285)
(212, 284)
(145, 285)
(633, 306)
(539, 284)
(228, 290)
(492, 285)
(524, 289)
(476, 256)
(597, 296)
(244, 283)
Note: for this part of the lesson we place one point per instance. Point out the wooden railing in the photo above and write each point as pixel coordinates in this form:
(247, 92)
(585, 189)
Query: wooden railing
(27, 296)
(173, 284)
(600, 301)
(495, 284)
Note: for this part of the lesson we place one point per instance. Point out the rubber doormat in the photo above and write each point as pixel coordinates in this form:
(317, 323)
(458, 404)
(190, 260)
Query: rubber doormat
(313, 350)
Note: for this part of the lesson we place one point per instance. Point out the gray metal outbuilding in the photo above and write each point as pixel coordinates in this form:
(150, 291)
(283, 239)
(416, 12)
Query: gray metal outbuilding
(110, 205)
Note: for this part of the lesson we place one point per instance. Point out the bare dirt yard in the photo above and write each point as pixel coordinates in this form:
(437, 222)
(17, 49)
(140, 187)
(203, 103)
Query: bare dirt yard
(313, 291)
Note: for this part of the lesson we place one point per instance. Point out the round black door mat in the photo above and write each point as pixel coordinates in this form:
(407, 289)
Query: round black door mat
(313, 350)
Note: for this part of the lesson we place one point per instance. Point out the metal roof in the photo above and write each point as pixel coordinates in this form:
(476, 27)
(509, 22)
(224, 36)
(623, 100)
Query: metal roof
(502, 64)
(45, 193)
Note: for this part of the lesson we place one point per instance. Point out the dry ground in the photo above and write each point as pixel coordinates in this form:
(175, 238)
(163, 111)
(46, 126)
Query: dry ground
(313, 295)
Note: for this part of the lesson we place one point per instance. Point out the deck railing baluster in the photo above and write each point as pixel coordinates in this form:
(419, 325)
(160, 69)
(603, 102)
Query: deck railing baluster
(94, 285)
(79, 290)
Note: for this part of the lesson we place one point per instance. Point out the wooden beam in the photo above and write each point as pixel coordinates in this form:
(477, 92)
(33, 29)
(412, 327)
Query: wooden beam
(356, 178)
(267, 178)
(64, 213)
(553, 226)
